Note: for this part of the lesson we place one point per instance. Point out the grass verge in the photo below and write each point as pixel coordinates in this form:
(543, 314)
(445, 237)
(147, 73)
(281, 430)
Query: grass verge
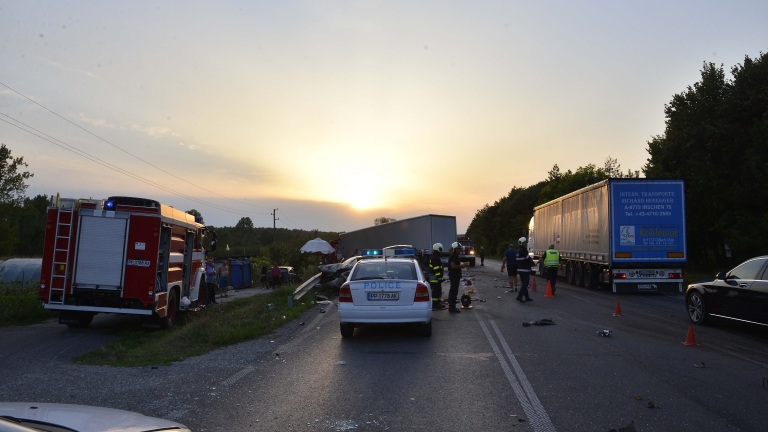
(19, 305)
(197, 333)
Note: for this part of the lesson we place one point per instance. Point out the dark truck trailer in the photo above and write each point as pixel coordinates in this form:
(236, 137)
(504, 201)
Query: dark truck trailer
(420, 232)
(628, 234)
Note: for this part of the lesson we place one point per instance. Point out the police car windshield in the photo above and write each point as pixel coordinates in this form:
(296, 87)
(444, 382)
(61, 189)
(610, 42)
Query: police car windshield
(384, 270)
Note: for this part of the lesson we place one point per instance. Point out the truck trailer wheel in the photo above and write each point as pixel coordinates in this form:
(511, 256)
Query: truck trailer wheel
(578, 274)
(569, 273)
(589, 275)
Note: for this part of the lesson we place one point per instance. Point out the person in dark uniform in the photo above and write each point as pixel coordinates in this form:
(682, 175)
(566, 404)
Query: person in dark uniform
(551, 263)
(454, 274)
(524, 262)
(435, 266)
(482, 256)
(210, 280)
(510, 263)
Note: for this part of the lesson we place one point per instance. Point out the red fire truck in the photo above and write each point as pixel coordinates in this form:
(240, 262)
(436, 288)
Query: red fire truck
(121, 255)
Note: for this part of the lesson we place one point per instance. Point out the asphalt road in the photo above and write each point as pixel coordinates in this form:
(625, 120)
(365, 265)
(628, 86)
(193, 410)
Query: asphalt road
(481, 370)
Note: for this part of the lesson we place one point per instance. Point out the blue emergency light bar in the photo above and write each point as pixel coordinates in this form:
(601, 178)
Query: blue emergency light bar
(405, 252)
(109, 205)
(372, 252)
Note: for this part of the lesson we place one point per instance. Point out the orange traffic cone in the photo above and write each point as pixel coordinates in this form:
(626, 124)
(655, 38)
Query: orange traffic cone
(549, 290)
(691, 339)
(533, 287)
(617, 312)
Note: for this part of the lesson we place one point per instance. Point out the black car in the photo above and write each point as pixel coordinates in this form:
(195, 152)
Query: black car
(740, 295)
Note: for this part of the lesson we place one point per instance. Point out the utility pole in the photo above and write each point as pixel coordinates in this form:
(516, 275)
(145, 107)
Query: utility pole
(274, 219)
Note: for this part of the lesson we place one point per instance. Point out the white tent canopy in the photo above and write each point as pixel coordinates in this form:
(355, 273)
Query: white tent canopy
(318, 245)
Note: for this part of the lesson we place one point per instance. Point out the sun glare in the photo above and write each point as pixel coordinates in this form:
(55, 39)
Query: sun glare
(362, 201)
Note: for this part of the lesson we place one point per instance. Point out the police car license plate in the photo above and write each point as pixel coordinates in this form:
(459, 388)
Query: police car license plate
(383, 296)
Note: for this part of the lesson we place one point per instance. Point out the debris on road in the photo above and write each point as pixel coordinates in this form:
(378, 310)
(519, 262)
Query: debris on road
(652, 405)
(699, 366)
(322, 310)
(638, 397)
(541, 322)
(604, 333)
(340, 362)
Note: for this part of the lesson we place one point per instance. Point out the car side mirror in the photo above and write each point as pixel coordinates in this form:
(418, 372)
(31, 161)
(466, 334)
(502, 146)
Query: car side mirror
(720, 276)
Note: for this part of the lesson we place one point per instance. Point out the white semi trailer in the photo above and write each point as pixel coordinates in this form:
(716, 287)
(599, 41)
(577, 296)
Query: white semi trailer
(421, 232)
(628, 234)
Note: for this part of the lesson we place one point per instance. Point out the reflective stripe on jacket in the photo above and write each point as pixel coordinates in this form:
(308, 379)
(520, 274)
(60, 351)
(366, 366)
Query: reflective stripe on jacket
(552, 258)
(436, 269)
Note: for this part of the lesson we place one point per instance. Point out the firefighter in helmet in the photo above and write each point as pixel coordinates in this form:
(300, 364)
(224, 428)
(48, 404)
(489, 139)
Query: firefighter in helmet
(435, 265)
(454, 275)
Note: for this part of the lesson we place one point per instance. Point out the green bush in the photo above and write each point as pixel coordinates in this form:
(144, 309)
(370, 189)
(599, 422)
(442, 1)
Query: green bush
(19, 305)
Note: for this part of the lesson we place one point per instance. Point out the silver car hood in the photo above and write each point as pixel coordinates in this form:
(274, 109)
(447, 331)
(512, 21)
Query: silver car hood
(87, 418)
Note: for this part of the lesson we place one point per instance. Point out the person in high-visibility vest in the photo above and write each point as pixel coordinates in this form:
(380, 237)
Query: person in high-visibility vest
(551, 263)
(436, 279)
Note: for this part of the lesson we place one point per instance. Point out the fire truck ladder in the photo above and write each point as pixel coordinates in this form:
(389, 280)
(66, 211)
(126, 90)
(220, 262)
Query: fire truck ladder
(57, 292)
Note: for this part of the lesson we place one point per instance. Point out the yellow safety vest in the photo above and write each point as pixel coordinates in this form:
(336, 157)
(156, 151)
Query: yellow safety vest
(552, 258)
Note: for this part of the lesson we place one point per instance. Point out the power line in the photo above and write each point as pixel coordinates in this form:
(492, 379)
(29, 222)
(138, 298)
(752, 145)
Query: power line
(288, 220)
(95, 159)
(123, 150)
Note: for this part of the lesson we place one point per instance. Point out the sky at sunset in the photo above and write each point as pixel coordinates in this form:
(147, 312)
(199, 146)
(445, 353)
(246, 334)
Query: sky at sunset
(340, 112)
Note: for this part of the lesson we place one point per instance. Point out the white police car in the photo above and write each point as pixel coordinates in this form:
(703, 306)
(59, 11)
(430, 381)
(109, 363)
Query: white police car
(386, 291)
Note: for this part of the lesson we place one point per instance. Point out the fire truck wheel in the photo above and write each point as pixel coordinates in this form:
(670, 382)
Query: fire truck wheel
(83, 320)
(202, 292)
(170, 314)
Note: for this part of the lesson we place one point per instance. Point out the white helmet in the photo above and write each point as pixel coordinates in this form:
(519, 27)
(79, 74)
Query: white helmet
(437, 247)
(521, 240)
(455, 245)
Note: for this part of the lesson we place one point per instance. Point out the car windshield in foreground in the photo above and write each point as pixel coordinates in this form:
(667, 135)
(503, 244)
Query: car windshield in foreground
(384, 270)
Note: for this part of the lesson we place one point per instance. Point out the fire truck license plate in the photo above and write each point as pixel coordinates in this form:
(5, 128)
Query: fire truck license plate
(384, 296)
(137, 263)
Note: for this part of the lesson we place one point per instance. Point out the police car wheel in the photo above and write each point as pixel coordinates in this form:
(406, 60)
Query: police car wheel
(425, 330)
(347, 330)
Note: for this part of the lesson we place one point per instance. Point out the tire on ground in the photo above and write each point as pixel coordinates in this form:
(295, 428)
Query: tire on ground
(347, 330)
(569, 276)
(588, 271)
(425, 330)
(697, 308)
(170, 310)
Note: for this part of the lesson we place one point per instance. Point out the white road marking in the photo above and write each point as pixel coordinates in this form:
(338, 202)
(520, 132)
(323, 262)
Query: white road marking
(532, 407)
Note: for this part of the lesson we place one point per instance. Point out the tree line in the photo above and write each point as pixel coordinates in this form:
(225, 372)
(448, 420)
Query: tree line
(496, 226)
(715, 138)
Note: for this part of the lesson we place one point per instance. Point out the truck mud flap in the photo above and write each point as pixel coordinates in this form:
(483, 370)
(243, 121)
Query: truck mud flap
(653, 287)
